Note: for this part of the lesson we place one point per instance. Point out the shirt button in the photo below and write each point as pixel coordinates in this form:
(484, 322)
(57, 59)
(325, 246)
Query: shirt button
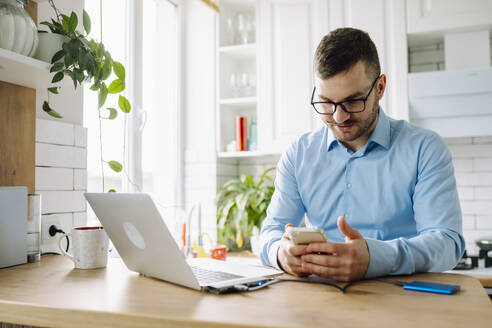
(349, 185)
(347, 215)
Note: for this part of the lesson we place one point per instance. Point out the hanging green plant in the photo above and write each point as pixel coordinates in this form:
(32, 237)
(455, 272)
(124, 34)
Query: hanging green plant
(84, 59)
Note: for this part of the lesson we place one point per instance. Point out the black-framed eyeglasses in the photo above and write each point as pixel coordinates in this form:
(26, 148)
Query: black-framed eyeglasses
(349, 106)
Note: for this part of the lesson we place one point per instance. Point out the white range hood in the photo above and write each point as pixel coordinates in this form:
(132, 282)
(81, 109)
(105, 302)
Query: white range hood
(456, 102)
(453, 103)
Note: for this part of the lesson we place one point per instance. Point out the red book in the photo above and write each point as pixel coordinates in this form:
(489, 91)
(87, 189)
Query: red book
(241, 136)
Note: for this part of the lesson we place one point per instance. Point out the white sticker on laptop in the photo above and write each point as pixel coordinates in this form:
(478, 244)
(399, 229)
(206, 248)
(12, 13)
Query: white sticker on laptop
(134, 235)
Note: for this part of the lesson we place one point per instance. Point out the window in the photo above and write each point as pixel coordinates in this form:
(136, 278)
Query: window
(144, 36)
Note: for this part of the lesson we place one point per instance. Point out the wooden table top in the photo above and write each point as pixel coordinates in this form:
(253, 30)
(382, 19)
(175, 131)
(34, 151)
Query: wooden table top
(51, 293)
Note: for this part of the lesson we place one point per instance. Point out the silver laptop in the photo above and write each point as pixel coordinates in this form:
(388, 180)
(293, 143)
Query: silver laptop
(145, 244)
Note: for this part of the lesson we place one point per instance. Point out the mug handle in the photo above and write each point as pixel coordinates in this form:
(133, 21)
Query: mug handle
(61, 248)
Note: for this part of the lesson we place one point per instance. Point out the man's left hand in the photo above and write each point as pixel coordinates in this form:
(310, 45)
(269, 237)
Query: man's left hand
(339, 261)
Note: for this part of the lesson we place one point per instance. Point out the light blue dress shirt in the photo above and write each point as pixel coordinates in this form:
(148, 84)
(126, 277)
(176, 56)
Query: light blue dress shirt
(398, 190)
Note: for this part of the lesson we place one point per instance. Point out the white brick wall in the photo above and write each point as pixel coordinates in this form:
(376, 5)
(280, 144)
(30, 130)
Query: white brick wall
(61, 174)
(53, 178)
(472, 159)
(79, 219)
(201, 186)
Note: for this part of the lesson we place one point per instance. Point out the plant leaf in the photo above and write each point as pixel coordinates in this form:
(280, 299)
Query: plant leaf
(85, 42)
(264, 176)
(108, 56)
(58, 77)
(100, 50)
(112, 113)
(73, 22)
(46, 106)
(65, 22)
(115, 166)
(57, 27)
(54, 114)
(93, 45)
(103, 94)
(124, 104)
(116, 86)
(68, 54)
(119, 70)
(47, 109)
(79, 75)
(74, 78)
(83, 60)
(53, 90)
(56, 67)
(94, 87)
(86, 20)
(50, 25)
(91, 65)
(57, 56)
(106, 68)
(111, 190)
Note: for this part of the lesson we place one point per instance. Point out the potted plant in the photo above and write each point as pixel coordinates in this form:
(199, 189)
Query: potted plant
(241, 206)
(83, 59)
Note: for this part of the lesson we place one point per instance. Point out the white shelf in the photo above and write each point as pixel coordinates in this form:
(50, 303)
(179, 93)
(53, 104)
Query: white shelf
(238, 101)
(243, 154)
(240, 50)
(22, 70)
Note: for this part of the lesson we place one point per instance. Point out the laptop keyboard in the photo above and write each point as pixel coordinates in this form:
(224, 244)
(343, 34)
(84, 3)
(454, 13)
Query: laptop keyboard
(205, 276)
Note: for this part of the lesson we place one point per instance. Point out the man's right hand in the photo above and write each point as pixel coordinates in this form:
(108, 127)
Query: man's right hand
(289, 255)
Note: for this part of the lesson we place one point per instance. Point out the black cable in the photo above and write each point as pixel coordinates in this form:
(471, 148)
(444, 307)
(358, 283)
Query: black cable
(68, 242)
(249, 287)
(332, 284)
(54, 230)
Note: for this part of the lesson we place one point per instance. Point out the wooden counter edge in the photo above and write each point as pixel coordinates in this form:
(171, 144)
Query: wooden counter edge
(43, 316)
(485, 280)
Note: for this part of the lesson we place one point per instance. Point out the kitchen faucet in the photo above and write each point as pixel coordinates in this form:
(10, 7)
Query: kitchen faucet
(188, 248)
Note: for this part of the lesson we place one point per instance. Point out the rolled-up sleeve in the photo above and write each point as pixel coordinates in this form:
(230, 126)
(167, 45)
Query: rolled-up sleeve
(285, 207)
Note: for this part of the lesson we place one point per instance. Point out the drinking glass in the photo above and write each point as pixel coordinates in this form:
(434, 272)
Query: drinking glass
(246, 84)
(243, 27)
(230, 31)
(34, 228)
(235, 83)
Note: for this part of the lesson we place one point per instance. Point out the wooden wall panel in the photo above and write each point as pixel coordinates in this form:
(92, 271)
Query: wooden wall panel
(17, 135)
(32, 10)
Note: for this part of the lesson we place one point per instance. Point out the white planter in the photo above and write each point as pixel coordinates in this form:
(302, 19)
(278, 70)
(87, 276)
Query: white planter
(48, 45)
(18, 33)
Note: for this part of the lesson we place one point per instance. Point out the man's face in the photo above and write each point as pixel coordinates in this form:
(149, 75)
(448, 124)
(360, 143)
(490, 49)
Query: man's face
(352, 129)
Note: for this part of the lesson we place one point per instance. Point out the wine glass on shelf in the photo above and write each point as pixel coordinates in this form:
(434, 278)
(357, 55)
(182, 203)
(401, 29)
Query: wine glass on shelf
(253, 29)
(234, 81)
(246, 84)
(252, 83)
(244, 27)
(230, 32)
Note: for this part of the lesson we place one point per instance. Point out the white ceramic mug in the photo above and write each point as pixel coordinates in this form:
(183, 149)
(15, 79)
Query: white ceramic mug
(89, 247)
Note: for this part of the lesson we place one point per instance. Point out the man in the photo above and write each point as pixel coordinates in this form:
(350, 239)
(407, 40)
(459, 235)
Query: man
(384, 186)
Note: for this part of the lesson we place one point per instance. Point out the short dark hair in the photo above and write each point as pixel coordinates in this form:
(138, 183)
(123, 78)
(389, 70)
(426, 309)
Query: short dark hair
(342, 48)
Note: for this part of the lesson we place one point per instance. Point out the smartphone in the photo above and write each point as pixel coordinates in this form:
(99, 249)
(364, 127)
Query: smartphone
(304, 235)
(432, 287)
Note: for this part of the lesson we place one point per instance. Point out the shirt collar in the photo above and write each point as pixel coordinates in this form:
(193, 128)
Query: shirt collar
(380, 135)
